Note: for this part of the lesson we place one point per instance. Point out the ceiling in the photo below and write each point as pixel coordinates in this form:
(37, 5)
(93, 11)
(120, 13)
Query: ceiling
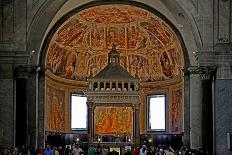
(147, 44)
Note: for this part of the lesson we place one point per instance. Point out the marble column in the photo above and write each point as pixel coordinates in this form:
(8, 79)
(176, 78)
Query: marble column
(195, 111)
(206, 74)
(90, 107)
(136, 127)
(32, 114)
(186, 136)
(40, 105)
(207, 109)
(21, 105)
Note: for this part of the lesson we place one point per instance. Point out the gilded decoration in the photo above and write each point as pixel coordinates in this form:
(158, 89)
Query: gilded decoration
(113, 120)
(55, 105)
(147, 44)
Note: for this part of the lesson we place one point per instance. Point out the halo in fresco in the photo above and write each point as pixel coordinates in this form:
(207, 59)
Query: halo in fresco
(148, 46)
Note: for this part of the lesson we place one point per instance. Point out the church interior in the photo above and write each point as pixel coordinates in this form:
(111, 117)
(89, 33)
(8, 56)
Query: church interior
(116, 73)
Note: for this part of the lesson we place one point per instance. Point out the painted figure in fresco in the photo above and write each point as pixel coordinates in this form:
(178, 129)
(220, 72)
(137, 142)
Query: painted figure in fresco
(97, 37)
(58, 62)
(111, 38)
(154, 68)
(94, 69)
(141, 41)
(134, 65)
(100, 41)
(176, 110)
(56, 116)
(114, 126)
(103, 61)
(93, 40)
(144, 70)
(166, 66)
(176, 59)
(107, 123)
(80, 74)
(116, 120)
(121, 42)
(135, 32)
(70, 65)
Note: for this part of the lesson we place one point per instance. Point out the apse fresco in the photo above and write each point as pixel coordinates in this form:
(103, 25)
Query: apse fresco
(55, 106)
(176, 111)
(147, 45)
(113, 120)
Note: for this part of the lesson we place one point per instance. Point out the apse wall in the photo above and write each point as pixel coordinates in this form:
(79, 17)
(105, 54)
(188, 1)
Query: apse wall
(79, 45)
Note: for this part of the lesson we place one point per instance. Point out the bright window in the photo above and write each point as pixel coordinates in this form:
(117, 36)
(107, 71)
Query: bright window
(156, 113)
(78, 112)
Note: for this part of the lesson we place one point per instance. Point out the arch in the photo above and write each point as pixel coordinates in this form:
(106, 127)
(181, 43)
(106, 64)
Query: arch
(43, 23)
(54, 28)
(40, 44)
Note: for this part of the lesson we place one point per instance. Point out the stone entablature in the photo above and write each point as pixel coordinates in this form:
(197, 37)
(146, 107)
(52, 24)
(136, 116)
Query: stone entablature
(112, 98)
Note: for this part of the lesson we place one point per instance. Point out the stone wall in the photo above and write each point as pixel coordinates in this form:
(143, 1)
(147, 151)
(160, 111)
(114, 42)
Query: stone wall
(223, 115)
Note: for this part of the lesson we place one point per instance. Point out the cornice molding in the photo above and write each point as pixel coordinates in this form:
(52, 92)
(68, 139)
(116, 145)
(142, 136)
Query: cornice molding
(217, 57)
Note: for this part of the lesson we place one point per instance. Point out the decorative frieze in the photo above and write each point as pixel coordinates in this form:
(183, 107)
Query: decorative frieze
(109, 98)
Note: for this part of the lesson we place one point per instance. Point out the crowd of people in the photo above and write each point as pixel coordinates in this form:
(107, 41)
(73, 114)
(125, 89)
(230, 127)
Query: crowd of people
(77, 149)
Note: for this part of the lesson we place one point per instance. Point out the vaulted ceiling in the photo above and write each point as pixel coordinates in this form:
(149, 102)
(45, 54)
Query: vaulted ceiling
(147, 44)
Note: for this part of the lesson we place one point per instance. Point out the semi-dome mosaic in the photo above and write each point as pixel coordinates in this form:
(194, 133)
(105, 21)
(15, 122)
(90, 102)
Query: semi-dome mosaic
(148, 46)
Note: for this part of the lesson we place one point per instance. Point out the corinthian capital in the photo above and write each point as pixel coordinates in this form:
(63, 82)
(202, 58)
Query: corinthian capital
(205, 72)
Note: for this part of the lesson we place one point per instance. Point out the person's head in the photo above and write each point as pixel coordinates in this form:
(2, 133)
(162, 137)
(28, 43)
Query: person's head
(48, 147)
(144, 146)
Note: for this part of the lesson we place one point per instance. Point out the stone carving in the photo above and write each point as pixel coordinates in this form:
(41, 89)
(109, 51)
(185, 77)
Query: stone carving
(206, 72)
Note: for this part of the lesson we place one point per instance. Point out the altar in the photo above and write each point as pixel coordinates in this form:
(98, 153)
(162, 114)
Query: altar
(113, 105)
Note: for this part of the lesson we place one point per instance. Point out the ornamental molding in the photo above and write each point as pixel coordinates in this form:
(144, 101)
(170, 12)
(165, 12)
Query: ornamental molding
(113, 98)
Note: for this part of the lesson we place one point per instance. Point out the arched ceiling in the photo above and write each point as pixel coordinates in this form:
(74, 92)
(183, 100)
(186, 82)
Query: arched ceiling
(147, 44)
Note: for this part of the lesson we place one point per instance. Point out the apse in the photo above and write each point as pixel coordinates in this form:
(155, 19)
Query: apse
(149, 48)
